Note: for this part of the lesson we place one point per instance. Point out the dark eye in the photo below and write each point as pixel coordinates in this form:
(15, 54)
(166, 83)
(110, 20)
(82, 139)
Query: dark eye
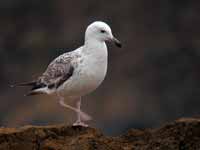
(103, 31)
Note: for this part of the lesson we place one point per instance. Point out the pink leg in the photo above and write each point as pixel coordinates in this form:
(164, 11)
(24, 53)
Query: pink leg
(80, 114)
(79, 122)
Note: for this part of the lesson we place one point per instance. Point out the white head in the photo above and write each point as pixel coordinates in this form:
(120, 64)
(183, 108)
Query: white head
(100, 31)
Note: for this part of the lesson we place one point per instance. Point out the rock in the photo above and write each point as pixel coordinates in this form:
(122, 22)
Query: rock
(183, 134)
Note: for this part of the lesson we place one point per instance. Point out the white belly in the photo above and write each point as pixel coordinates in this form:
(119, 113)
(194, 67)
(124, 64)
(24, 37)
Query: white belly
(87, 77)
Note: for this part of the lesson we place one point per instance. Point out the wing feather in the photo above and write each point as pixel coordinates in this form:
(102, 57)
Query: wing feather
(60, 70)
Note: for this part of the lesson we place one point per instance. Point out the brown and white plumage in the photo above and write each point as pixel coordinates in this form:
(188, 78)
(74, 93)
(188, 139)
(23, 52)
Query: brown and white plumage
(55, 75)
(79, 72)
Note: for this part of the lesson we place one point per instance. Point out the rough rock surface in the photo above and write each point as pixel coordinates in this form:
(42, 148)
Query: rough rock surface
(183, 134)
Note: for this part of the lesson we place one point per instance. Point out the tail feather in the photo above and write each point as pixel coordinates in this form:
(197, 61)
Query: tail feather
(32, 83)
(34, 92)
(36, 88)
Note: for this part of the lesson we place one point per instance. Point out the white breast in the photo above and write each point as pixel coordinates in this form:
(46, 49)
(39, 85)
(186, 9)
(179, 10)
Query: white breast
(89, 74)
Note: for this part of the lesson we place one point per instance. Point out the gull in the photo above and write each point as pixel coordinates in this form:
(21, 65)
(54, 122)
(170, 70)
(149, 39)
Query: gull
(77, 73)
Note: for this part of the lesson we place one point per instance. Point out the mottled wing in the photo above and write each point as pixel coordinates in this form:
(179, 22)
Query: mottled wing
(56, 74)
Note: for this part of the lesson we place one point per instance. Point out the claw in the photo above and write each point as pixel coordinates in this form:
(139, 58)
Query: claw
(79, 123)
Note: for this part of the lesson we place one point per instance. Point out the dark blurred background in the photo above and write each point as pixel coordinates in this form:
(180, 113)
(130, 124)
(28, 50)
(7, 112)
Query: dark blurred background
(153, 79)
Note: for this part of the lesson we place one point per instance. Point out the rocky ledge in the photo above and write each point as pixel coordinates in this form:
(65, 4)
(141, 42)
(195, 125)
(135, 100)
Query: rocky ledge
(183, 134)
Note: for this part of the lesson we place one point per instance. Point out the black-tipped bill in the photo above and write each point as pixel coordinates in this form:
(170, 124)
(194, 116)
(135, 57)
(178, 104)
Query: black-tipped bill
(117, 42)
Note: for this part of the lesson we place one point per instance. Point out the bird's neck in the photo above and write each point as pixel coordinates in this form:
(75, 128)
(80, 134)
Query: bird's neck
(93, 46)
